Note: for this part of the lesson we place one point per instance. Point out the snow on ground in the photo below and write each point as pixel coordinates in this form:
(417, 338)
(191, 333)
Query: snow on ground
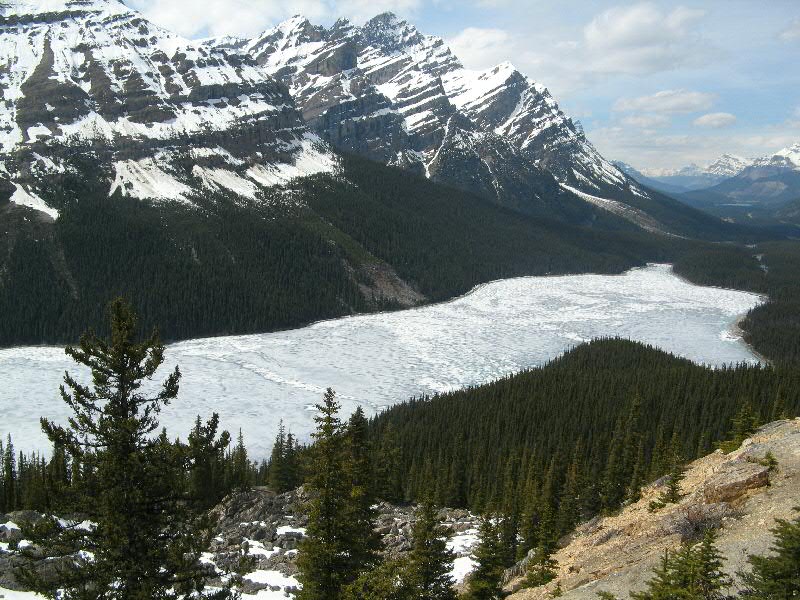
(310, 159)
(146, 179)
(289, 529)
(634, 215)
(24, 197)
(12, 595)
(462, 545)
(274, 579)
(377, 360)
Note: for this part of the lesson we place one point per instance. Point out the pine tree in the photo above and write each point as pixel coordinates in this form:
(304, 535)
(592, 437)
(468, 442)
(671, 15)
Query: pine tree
(364, 543)
(708, 578)
(206, 477)
(147, 541)
(692, 573)
(484, 582)
(9, 477)
(388, 581)
(324, 560)
(743, 425)
(430, 561)
(777, 576)
(240, 466)
(278, 469)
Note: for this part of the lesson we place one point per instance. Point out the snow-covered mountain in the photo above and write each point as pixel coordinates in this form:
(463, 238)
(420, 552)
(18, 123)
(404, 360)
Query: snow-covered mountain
(764, 186)
(386, 91)
(166, 117)
(693, 177)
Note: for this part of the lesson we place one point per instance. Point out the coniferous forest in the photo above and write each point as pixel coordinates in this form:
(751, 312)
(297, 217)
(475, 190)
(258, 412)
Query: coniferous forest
(537, 453)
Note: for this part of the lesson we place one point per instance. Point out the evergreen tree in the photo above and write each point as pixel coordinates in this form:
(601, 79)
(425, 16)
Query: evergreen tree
(207, 452)
(9, 477)
(278, 478)
(240, 468)
(364, 543)
(743, 425)
(692, 573)
(777, 576)
(484, 582)
(147, 541)
(430, 561)
(388, 581)
(324, 560)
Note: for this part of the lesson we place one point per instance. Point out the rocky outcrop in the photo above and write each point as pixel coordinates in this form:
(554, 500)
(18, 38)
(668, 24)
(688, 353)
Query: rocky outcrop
(388, 92)
(736, 494)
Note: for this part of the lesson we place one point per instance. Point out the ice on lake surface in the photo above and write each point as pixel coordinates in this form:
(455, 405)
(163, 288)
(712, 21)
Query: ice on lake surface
(377, 360)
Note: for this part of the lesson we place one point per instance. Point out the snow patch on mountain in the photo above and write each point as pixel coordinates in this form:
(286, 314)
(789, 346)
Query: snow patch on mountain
(146, 178)
(629, 213)
(24, 197)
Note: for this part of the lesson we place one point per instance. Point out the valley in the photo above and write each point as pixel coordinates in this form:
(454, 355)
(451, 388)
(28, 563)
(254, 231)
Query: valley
(375, 361)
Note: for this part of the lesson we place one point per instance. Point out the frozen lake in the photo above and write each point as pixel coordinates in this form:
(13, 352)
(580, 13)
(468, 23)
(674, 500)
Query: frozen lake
(377, 360)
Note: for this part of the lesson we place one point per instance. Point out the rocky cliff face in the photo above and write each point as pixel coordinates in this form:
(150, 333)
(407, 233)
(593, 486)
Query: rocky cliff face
(734, 493)
(162, 116)
(393, 94)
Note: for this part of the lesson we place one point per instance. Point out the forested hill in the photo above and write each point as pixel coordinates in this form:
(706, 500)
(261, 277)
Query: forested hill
(770, 268)
(327, 246)
(577, 435)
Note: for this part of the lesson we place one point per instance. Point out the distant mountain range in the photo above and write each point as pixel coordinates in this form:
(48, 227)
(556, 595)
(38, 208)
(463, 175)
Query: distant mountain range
(691, 177)
(745, 190)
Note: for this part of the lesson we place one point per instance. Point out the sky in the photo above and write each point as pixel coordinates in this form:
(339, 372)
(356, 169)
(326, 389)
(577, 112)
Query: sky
(658, 84)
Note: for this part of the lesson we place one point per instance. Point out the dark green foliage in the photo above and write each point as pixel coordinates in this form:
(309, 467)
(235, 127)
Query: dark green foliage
(484, 582)
(777, 576)
(226, 268)
(147, 538)
(430, 562)
(771, 268)
(743, 425)
(388, 581)
(692, 573)
(364, 544)
(283, 470)
(206, 481)
(565, 422)
(541, 569)
(341, 544)
(323, 559)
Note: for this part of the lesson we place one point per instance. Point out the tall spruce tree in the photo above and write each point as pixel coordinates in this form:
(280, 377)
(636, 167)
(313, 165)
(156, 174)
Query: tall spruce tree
(324, 560)
(430, 561)
(777, 576)
(9, 477)
(484, 582)
(363, 542)
(146, 540)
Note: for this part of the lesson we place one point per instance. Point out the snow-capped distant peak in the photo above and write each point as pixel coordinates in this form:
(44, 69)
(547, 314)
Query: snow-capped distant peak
(728, 165)
(791, 154)
(41, 7)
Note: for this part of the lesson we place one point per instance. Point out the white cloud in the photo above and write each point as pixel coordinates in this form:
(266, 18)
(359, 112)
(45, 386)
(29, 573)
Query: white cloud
(646, 121)
(247, 17)
(667, 101)
(716, 120)
(792, 32)
(643, 39)
(482, 48)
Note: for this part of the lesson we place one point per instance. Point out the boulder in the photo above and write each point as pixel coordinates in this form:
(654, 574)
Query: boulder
(734, 481)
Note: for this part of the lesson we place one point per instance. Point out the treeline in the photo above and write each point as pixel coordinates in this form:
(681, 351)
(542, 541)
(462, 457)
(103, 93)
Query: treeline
(555, 445)
(228, 266)
(214, 467)
(770, 268)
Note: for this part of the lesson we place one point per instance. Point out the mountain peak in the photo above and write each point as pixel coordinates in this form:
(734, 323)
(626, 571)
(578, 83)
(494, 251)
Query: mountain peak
(391, 33)
(42, 7)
